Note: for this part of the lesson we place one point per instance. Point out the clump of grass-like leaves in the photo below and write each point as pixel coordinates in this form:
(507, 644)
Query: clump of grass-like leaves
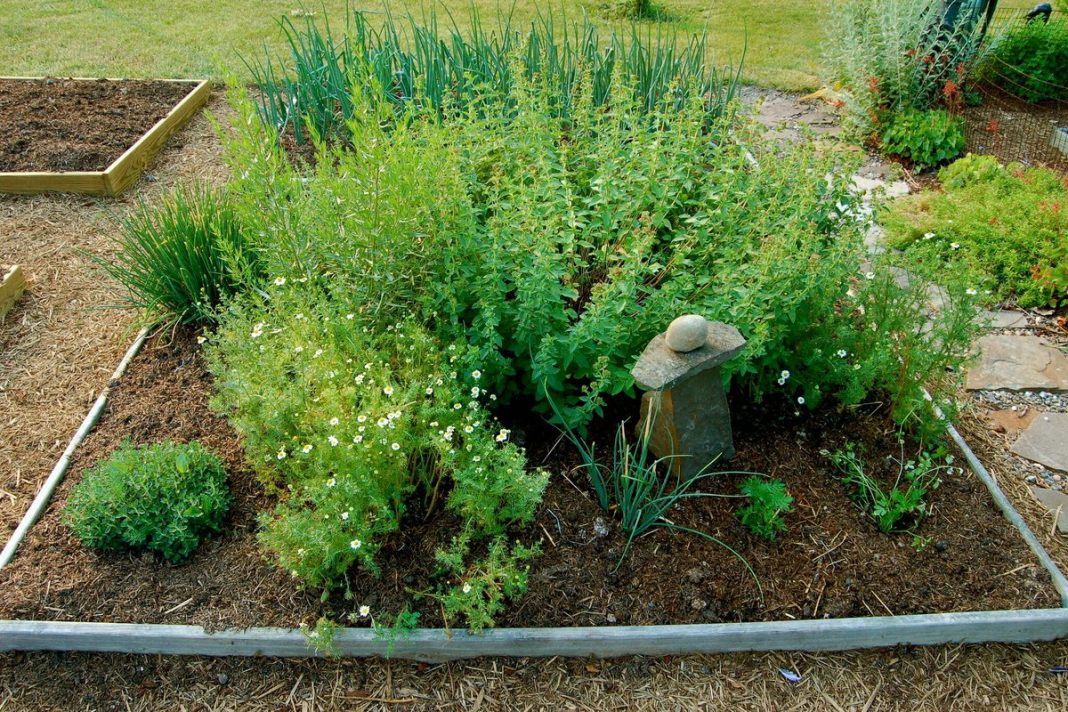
(407, 64)
(631, 485)
(179, 260)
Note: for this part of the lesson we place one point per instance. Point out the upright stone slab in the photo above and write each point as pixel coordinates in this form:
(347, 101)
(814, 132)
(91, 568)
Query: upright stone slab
(690, 418)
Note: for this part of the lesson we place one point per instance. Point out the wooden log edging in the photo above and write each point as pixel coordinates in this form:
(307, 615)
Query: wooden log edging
(124, 170)
(44, 495)
(1059, 581)
(436, 645)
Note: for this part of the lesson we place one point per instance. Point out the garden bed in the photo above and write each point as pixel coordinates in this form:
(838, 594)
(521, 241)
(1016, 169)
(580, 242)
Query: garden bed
(832, 563)
(91, 136)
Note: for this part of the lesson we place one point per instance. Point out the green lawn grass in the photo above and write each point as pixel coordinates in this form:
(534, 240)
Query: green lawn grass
(197, 38)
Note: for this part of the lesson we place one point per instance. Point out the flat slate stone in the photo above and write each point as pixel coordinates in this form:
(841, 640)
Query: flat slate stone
(1011, 421)
(660, 368)
(1045, 441)
(1056, 502)
(1003, 319)
(1018, 363)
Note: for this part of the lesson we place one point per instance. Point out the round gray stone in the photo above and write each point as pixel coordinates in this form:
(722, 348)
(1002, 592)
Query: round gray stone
(687, 333)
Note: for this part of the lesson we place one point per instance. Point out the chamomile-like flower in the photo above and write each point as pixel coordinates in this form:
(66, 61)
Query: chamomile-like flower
(954, 245)
(971, 292)
(332, 440)
(800, 400)
(331, 482)
(282, 453)
(344, 516)
(476, 374)
(365, 611)
(307, 448)
(395, 447)
(355, 544)
(334, 421)
(467, 588)
(388, 390)
(280, 281)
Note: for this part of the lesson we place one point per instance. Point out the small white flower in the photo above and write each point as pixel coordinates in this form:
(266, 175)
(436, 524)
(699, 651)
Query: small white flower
(332, 440)
(869, 275)
(361, 418)
(300, 317)
(334, 421)
(784, 375)
(800, 400)
(298, 349)
(307, 448)
(365, 611)
(475, 392)
(350, 317)
(467, 588)
(344, 516)
(318, 353)
(282, 453)
(382, 422)
(429, 391)
(355, 543)
(280, 281)
(955, 245)
(395, 446)
(502, 436)
(359, 378)
(331, 482)
(971, 292)
(468, 429)
(842, 353)
(928, 235)
(388, 390)
(201, 339)
(357, 439)
(781, 381)
(456, 406)
(476, 374)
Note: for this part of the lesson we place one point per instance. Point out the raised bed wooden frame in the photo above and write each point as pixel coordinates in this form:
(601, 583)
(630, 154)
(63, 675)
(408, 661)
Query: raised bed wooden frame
(125, 169)
(436, 645)
(12, 285)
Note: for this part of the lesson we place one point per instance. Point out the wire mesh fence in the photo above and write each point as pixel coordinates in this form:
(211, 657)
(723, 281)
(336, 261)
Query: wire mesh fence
(1023, 116)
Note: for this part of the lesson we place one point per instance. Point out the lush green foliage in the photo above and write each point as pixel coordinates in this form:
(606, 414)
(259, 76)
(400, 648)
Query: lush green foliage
(768, 502)
(163, 498)
(1030, 60)
(904, 500)
(180, 260)
(925, 138)
(557, 251)
(406, 65)
(361, 428)
(1003, 228)
(891, 56)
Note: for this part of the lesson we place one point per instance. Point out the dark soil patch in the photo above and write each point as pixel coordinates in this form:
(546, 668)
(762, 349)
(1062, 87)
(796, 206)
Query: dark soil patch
(831, 563)
(61, 125)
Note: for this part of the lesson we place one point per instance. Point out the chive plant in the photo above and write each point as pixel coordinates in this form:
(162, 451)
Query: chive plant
(407, 64)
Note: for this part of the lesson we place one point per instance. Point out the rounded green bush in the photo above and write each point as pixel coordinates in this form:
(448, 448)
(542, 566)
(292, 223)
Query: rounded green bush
(162, 497)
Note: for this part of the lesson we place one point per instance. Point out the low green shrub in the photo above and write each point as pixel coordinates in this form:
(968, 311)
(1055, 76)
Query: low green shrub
(924, 138)
(901, 502)
(1000, 228)
(359, 429)
(180, 260)
(768, 502)
(1030, 60)
(163, 497)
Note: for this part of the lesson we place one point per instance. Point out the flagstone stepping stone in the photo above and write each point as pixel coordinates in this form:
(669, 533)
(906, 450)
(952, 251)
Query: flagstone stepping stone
(1018, 363)
(1054, 501)
(1003, 319)
(1045, 441)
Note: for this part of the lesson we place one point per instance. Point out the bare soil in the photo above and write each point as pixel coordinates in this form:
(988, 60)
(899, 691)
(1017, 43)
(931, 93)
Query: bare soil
(61, 125)
(832, 563)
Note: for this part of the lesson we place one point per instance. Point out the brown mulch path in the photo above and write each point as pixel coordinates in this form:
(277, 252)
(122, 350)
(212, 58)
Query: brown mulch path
(60, 344)
(60, 125)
